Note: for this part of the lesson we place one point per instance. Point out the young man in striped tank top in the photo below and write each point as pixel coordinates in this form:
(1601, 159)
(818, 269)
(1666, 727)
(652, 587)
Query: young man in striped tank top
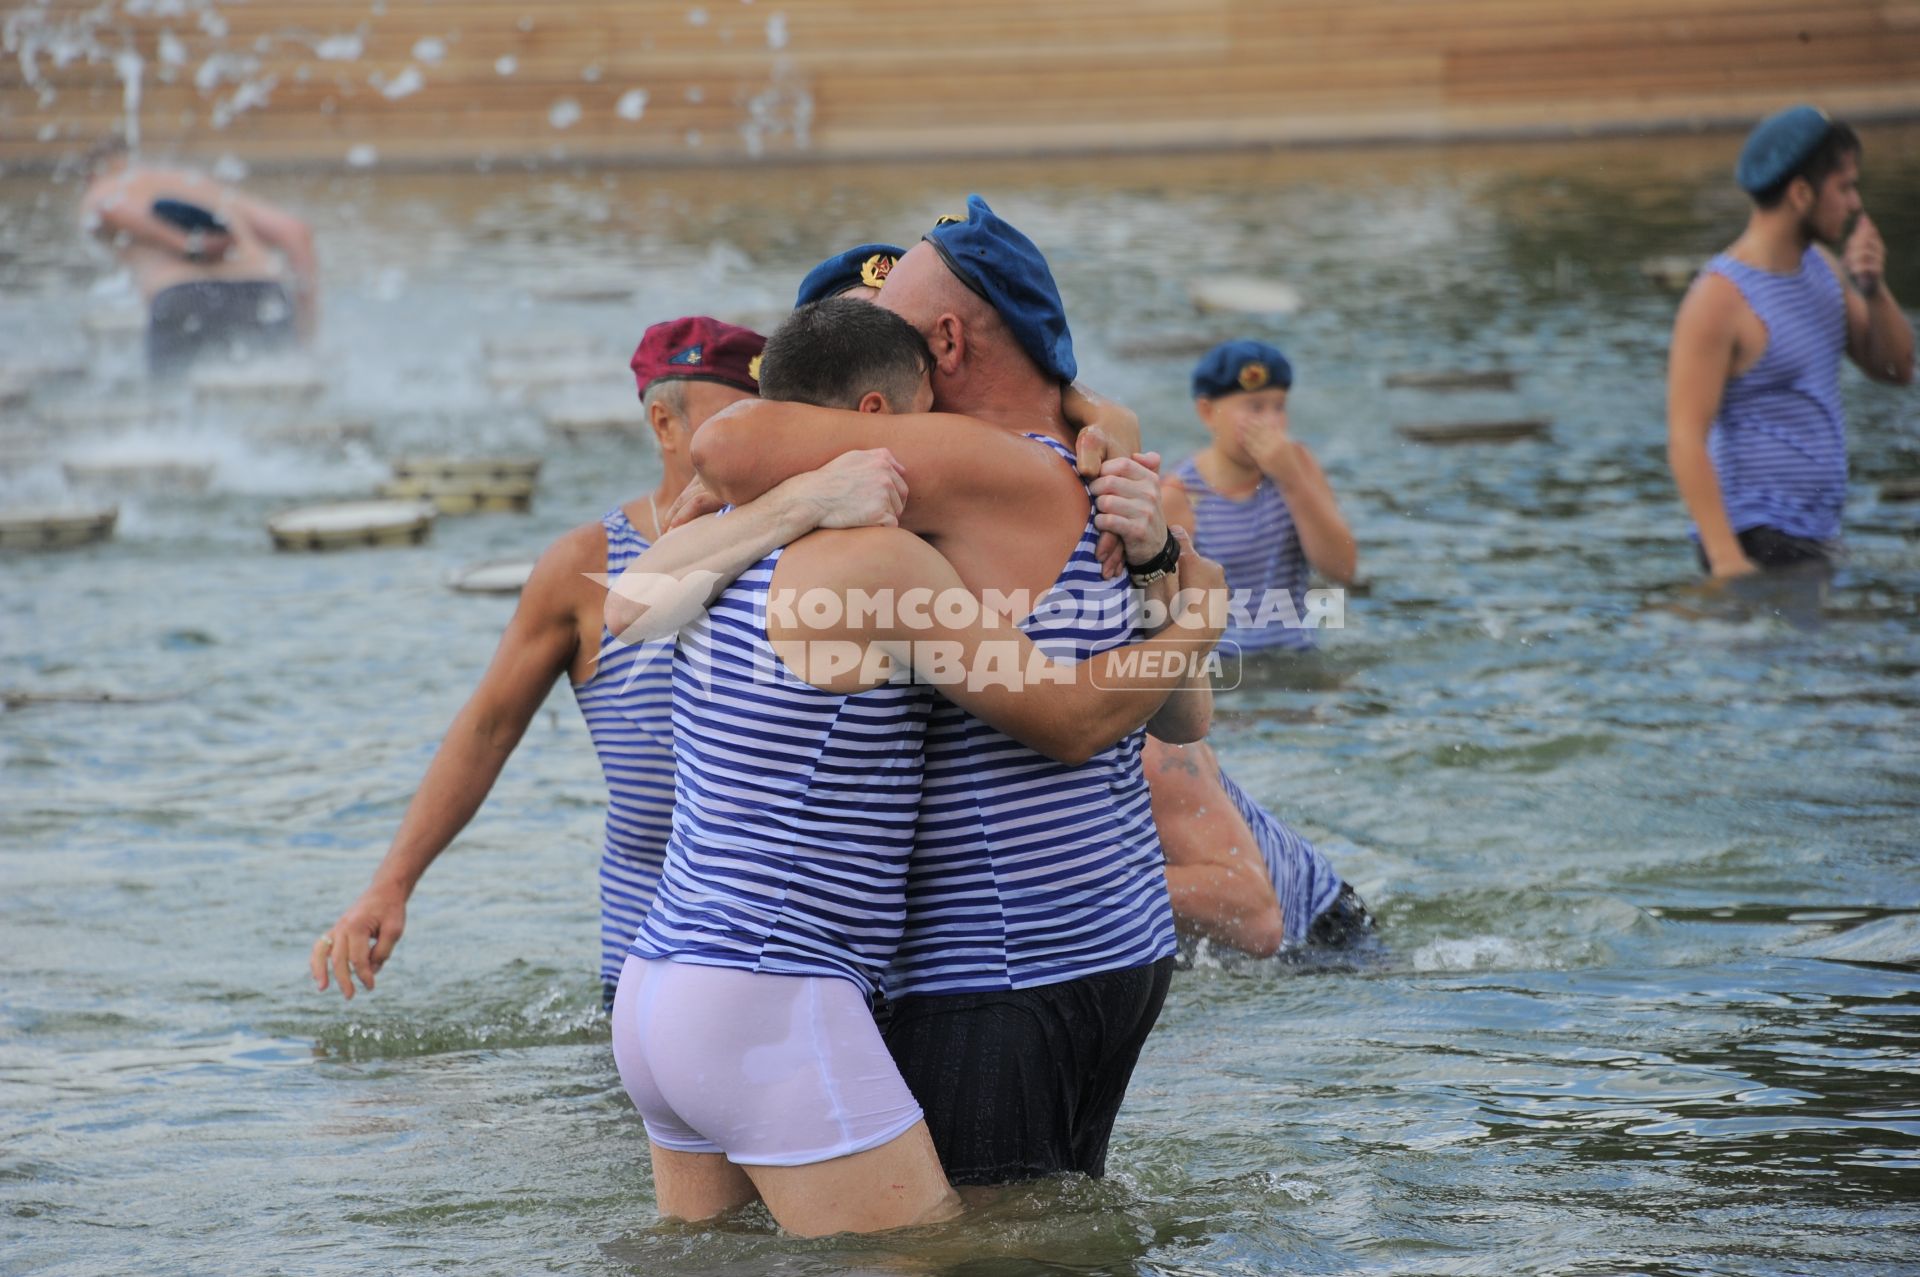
(685, 370)
(1038, 939)
(741, 1025)
(1756, 435)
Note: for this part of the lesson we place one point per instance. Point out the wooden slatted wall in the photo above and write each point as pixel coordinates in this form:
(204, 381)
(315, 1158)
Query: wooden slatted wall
(425, 81)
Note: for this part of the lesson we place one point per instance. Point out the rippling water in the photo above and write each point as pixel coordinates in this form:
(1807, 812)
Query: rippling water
(1645, 860)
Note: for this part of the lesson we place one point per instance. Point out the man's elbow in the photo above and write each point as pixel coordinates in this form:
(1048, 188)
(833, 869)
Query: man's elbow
(1183, 729)
(716, 455)
(1073, 752)
(1264, 936)
(1184, 720)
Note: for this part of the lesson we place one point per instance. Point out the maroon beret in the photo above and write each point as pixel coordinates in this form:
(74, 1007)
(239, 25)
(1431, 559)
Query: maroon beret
(696, 348)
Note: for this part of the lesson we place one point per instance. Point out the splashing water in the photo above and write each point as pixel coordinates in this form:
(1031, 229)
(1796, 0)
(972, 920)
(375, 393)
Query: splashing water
(340, 48)
(130, 67)
(407, 83)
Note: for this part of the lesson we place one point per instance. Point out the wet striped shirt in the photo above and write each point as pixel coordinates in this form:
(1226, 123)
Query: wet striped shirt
(794, 813)
(628, 705)
(1256, 544)
(1303, 881)
(1025, 871)
(1779, 443)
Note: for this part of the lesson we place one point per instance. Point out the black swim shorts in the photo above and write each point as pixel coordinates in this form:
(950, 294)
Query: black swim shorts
(1772, 548)
(1026, 1082)
(236, 318)
(1344, 924)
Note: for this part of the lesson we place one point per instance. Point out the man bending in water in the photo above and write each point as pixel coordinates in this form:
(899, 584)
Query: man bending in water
(222, 272)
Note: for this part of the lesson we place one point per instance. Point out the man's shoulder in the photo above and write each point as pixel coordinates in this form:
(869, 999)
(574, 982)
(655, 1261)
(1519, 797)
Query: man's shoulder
(1712, 301)
(566, 563)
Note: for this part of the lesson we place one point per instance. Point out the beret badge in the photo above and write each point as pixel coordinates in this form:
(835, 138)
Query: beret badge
(874, 271)
(1254, 376)
(753, 367)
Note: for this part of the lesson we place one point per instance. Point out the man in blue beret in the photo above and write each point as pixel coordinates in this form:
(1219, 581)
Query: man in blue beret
(1039, 935)
(858, 272)
(1755, 431)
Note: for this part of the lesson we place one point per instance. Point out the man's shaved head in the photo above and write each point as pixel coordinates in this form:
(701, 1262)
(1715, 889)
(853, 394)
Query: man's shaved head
(920, 289)
(974, 354)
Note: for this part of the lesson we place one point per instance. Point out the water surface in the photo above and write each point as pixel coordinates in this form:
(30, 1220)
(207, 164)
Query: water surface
(1645, 862)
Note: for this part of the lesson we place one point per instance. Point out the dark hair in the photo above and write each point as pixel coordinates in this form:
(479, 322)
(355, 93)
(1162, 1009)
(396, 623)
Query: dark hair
(1821, 162)
(834, 351)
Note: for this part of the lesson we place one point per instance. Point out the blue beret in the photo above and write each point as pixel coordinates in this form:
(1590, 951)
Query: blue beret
(1778, 145)
(1234, 366)
(863, 267)
(1005, 268)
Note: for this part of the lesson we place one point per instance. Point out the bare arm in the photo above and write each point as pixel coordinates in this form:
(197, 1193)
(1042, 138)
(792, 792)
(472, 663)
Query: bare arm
(1215, 874)
(1071, 713)
(1104, 429)
(1130, 508)
(977, 660)
(1698, 364)
(1177, 506)
(539, 645)
(292, 238)
(1879, 338)
(1324, 535)
(679, 575)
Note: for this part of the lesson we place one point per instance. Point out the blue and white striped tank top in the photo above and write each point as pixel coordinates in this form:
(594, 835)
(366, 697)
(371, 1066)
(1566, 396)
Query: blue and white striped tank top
(1255, 543)
(1303, 881)
(1025, 871)
(1779, 444)
(628, 705)
(794, 813)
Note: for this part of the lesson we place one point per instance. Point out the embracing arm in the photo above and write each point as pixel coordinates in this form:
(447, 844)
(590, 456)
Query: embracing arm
(1067, 712)
(539, 645)
(679, 575)
(1132, 507)
(1698, 365)
(752, 446)
(1103, 429)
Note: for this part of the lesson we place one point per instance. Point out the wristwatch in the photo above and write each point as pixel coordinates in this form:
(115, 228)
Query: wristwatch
(1161, 564)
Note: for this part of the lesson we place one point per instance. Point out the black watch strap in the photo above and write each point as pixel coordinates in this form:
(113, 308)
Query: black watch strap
(1160, 564)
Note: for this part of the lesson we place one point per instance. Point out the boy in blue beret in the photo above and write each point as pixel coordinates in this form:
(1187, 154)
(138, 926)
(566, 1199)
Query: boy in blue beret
(1255, 499)
(1755, 431)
